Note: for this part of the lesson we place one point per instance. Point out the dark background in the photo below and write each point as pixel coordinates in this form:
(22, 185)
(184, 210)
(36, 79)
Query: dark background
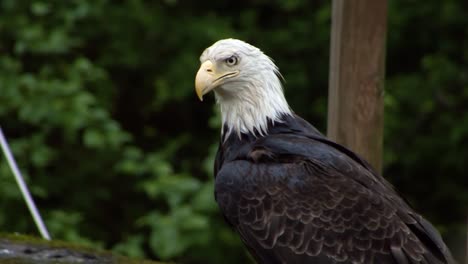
(97, 100)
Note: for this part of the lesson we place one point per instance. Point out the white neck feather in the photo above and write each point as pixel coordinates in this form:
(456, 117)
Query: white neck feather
(247, 106)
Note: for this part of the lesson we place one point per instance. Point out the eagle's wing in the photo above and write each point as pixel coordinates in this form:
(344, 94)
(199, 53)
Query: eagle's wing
(299, 200)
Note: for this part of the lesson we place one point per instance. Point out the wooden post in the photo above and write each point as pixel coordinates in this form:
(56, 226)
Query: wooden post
(355, 99)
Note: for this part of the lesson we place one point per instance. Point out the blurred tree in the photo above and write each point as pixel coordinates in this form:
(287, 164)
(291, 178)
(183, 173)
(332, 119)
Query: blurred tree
(97, 100)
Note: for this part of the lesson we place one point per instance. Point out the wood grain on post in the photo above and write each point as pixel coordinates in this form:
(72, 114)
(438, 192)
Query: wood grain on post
(356, 84)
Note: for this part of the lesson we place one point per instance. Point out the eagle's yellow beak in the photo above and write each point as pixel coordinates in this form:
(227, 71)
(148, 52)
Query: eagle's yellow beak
(209, 78)
(204, 79)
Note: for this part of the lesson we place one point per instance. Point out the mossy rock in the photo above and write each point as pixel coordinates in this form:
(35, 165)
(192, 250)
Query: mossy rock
(20, 249)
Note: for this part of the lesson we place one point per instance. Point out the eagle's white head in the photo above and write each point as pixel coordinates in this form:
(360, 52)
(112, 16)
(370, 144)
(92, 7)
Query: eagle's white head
(246, 84)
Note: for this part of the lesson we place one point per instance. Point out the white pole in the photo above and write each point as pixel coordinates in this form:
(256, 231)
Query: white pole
(24, 188)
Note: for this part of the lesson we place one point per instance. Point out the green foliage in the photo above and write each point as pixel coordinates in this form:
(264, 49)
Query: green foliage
(97, 100)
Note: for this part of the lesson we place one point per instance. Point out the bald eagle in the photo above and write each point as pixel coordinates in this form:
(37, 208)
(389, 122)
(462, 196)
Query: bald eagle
(293, 195)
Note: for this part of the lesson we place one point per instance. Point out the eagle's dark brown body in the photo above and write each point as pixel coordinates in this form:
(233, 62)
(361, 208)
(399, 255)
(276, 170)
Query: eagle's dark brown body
(296, 197)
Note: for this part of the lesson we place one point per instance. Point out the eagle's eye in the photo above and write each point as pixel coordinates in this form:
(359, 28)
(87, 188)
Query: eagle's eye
(231, 61)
